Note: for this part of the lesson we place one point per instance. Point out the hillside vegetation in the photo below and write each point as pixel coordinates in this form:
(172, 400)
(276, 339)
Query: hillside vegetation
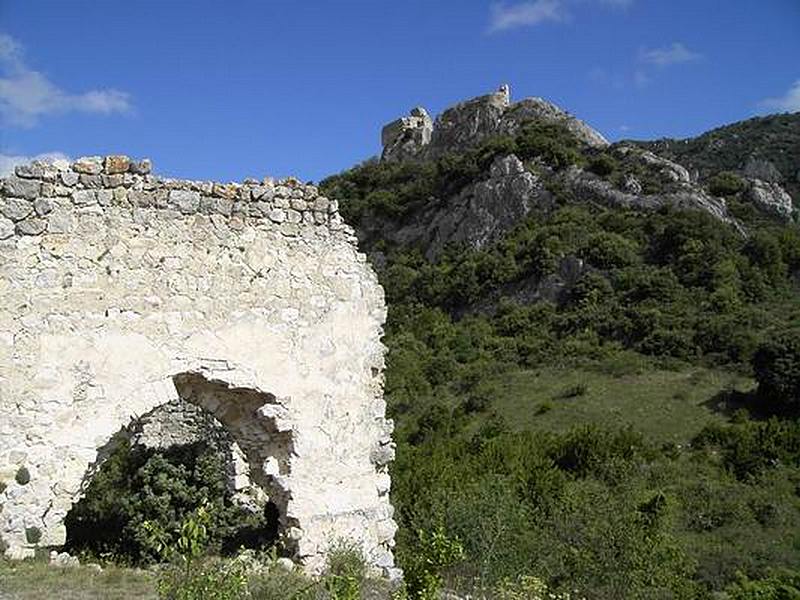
(615, 441)
(774, 138)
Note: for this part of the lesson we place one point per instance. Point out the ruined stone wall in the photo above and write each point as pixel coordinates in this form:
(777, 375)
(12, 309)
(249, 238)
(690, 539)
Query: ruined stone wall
(122, 291)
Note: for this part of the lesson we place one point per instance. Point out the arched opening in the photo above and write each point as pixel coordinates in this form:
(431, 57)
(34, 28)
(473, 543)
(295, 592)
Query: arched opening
(225, 448)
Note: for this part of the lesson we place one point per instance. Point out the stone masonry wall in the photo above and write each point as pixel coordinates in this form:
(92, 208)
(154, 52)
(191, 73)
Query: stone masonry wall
(123, 291)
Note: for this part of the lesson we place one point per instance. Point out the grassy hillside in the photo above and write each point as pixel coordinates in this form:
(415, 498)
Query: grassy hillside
(665, 406)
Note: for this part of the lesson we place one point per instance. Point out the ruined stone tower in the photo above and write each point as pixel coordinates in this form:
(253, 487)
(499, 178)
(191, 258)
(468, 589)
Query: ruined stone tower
(122, 291)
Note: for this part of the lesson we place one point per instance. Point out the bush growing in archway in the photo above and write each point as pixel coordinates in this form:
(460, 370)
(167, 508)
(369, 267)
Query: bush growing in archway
(137, 502)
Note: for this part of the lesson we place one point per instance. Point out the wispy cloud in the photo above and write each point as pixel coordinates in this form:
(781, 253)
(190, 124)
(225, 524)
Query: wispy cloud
(505, 16)
(675, 54)
(525, 14)
(9, 161)
(26, 95)
(789, 102)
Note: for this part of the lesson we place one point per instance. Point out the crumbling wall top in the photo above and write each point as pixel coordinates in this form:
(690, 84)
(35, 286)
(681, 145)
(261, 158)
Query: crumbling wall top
(43, 197)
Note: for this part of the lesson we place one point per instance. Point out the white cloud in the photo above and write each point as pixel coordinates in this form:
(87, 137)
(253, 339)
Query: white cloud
(525, 14)
(789, 102)
(9, 161)
(675, 54)
(27, 95)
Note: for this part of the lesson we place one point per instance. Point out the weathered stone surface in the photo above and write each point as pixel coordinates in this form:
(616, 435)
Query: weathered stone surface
(15, 209)
(671, 170)
(91, 181)
(63, 560)
(143, 167)
(184, 201)
(123, 303)
(21, 188)
(60, 221)
(758, 168)
(771, 198)
(32, 226)
(34, 170)
(69, 178)
(89, 165)
(42, 206)
(116, 164)
(407, 136)
(84, 197)
(482, 212)
(6, 228)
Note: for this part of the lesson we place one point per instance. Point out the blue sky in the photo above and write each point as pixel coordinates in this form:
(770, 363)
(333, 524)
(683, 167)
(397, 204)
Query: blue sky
(230, 89)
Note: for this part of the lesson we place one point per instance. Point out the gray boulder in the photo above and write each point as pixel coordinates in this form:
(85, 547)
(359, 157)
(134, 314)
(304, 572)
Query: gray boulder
(771, 198)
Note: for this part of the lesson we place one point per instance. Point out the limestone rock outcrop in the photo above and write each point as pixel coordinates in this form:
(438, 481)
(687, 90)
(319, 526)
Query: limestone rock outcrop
(771, 198)
(124, 291)
(468, 123)
(483, 212)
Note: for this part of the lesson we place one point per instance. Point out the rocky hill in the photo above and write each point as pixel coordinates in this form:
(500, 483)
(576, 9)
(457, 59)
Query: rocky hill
(765, 148)
(483, 165)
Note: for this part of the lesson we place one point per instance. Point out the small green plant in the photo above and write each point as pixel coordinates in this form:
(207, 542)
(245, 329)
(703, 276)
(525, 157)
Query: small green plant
(214, 578)
(434, 552)
(192, 579)
(526, 587)
(345, 572)
(603, 165)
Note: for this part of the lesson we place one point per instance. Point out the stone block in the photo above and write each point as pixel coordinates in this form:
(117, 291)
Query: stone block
(116, 164)
(15, 209)
(69, 178)
(186, 202)
(6, 228)
(89, 165)
(21, 188)
(42, 206)
(32, 226)
(84, 197)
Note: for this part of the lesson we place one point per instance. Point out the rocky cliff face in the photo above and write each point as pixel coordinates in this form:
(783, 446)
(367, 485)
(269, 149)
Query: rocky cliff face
(468, 123)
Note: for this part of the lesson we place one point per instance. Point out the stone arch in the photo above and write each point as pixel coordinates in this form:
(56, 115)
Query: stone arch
(257, 421)
(261, 427)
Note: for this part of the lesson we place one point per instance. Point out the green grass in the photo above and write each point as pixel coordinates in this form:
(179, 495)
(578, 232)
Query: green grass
(36, 580)
(664, 405)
